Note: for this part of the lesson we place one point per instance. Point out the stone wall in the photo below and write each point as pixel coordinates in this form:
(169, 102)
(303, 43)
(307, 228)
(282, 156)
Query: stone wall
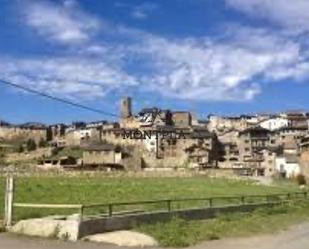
(98, 157)
(304, 163)
(16, 133)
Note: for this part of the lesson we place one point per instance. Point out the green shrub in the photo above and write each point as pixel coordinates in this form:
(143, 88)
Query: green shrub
(172, 233)
(31, 145)
(20, 148)
(301, 180)
(42, 143)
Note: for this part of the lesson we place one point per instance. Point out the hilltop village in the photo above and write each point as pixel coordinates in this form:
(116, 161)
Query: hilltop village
(165, 140)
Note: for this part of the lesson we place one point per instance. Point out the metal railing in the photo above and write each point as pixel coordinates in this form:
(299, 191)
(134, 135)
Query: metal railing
(210, 202)
(168, 204)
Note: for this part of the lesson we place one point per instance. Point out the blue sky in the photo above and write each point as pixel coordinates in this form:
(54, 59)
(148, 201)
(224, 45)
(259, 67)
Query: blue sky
(208, 56)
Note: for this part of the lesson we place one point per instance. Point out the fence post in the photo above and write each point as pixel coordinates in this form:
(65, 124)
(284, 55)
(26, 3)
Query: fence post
(210, 202)
(169, 206)
(110, 210)
(81, 213)
(242, 200)
(9, 198)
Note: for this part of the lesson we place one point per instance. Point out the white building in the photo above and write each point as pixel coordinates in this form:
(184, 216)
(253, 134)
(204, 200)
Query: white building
(274, 123)
(151, 143)
(288, 166)
(96, 124)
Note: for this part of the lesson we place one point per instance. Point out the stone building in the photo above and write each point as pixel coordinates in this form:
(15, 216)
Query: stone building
(304, 162)
(268, 165)
(118, 136)
(252, 140)
(186, 148)
(304, 143)
(288, 135)
(226, 124)
(167, 146)
(230, 156)
(82, 136)
(256, 145)
(304, 155)
(182, 119)
(102, 155)
(297, 119)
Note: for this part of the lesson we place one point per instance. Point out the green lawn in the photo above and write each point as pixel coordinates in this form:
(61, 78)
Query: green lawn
(100, 189)
(181, 233)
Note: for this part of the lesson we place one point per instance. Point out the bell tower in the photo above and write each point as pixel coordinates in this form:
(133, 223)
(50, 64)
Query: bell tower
(126, 108)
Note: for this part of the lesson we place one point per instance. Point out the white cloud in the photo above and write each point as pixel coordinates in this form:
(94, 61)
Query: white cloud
(62, 23)
(142, 11)
(232, 68)
(66, 77)
(291, 14)
(138, 14)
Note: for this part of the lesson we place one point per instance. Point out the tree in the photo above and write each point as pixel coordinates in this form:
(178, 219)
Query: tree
(31, 145)
(301, 179)
(42, 143)
(62, 130)
(49, 134)
(20, 148)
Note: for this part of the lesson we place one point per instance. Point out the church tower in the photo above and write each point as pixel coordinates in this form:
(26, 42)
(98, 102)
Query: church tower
(126, 108)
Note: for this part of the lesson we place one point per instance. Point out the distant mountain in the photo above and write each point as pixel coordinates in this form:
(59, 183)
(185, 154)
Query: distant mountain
(4, 123)
(32, 125)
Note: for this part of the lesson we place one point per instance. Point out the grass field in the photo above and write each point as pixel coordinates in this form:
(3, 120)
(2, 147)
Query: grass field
(181, 233)
(100, 189)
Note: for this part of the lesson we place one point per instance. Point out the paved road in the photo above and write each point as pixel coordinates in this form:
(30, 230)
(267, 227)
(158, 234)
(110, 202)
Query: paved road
(296, 237)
